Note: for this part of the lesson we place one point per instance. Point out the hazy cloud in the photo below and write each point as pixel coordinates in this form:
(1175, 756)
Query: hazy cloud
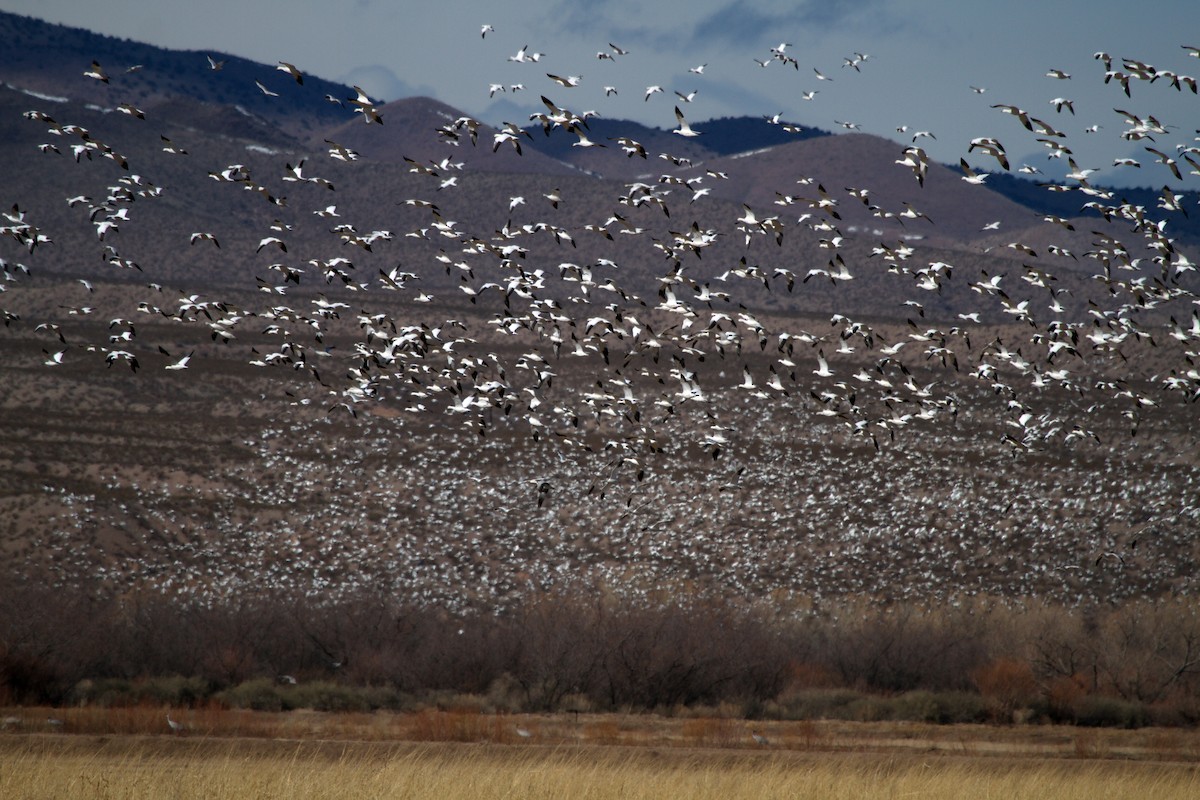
(742, 22)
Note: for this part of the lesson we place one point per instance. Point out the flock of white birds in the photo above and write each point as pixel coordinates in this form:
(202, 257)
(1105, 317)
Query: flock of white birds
(610, 383)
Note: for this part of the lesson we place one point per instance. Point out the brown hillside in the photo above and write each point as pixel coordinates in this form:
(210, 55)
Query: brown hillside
(410, 128)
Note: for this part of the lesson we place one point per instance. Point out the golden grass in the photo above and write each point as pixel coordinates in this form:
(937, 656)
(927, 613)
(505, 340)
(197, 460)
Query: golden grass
(34, 767)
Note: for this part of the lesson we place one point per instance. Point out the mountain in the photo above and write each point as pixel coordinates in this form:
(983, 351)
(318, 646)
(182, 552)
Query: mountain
(720, 137)
(51, 59)
(181, 87)
(410, 131)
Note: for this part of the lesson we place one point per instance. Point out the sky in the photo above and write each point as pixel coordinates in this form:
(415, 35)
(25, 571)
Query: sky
(923, 58)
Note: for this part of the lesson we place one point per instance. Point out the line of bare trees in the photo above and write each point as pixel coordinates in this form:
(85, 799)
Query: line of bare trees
(589, 647)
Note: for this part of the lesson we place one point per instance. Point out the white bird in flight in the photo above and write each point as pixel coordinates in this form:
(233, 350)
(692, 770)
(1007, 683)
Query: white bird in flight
(684, 128)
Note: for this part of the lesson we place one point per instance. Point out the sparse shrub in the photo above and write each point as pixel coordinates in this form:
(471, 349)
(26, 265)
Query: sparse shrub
(1102, 711)
(916, 706)
(710, 731)
(505, 693)
(961, 707)
(458, 725)
(1007, 684)
(104, 692)
(1061, 696)
(325, 696)
(576, 703)
(868, 708)
(260, 694)
(808, 675)
(377, 697)
(817, 704)
(175, 691)
(943, 708)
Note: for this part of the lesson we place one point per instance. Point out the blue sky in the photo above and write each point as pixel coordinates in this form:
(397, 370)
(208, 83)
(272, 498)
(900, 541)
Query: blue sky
(924, 57)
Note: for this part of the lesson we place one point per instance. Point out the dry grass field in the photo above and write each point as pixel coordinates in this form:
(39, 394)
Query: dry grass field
(594, 757)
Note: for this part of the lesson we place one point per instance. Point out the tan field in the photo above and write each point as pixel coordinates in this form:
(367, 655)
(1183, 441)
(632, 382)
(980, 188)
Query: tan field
(99, 767)
(445, 754)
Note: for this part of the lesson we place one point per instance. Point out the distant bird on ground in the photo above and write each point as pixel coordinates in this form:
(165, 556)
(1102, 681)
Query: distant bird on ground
(176, 727)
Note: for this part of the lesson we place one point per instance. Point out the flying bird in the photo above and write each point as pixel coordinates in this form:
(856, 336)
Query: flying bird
(523, 56)
(96, 72)
(684, 129)
(180, 364)
(290, 69)
(567, 82)
(970, 175)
